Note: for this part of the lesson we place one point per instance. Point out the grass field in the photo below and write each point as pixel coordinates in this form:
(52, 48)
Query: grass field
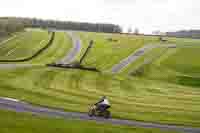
(172, 78)
(184, 60)
(147, 58)
(105, 53)
(24, 45)
(27, 123)
(28, 43)
(175, 62)
(131, 98)
(4, 38)
(180, 65)
(183, 41)
(58, 49)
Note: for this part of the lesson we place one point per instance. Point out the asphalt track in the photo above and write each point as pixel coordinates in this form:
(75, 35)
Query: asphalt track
(131, 58)
(71, 55)
(140, 52)
(18, 106)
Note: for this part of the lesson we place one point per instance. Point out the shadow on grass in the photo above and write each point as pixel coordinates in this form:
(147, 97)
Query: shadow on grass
(189, 81)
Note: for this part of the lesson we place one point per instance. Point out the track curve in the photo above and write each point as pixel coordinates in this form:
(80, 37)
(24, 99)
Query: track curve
(71, 55)
(18, 106)
(140, 52)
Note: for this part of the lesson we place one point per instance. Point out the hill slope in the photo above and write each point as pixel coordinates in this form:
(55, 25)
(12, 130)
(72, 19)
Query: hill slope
(131, 98)
(157, 95)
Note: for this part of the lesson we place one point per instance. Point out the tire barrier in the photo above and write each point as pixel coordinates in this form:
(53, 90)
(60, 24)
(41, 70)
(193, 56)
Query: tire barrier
(72, 66)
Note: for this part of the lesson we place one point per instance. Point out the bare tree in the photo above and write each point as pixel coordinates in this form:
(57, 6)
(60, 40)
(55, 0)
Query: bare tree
(136, 31)
(129, 30)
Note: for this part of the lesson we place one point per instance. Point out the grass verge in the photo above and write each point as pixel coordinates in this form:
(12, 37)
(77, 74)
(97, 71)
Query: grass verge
(58, 49)
(24, 45)
(110, 49)
(27, 123)
(131, 98)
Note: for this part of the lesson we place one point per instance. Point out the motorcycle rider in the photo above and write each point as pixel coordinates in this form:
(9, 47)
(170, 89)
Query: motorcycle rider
(103, 104)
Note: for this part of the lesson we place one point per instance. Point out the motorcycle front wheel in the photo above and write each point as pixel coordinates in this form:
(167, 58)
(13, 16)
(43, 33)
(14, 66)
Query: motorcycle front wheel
(91, 112)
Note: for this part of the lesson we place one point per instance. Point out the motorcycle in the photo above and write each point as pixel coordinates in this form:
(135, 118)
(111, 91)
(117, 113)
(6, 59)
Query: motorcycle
(94, 111)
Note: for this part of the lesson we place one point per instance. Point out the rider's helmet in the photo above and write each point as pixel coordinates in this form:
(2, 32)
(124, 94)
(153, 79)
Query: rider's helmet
(104, 97)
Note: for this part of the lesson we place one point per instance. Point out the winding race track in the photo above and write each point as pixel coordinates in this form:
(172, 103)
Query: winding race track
(71, 55)
(130, 59)
(18, 106)
(140, 52)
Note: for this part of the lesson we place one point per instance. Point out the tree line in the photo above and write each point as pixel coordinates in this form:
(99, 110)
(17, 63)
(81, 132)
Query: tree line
(185, 34)
(10, 24)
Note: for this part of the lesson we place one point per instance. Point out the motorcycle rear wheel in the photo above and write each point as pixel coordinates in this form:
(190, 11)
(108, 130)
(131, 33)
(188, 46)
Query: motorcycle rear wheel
(107, 114)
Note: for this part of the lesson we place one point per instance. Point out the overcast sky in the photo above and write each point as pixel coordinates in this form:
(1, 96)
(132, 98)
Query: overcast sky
(147, 15)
